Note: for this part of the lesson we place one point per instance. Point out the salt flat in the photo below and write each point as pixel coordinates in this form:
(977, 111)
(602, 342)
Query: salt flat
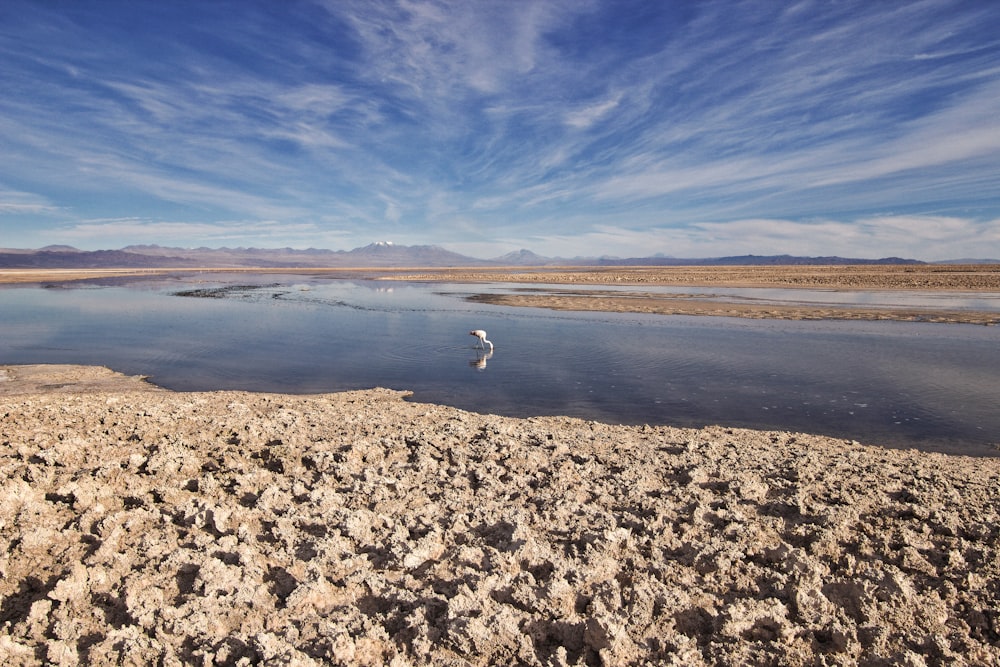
(148, 526)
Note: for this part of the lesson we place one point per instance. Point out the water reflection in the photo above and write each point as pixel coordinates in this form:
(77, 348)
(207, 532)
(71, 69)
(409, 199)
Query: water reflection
(482, 356)
(930, 386)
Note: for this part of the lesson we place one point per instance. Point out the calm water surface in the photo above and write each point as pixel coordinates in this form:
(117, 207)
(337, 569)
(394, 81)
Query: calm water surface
(931, 386)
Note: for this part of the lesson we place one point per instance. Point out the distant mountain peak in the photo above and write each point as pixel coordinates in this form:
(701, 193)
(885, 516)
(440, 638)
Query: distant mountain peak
(522, 257)
(59, 248)
(376, 254)
(377, 245)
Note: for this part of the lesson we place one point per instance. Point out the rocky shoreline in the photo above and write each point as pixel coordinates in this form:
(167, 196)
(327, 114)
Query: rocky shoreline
(142, 526)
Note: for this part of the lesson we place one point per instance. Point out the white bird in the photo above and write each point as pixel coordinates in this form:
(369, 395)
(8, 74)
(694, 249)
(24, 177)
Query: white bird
(481, 335)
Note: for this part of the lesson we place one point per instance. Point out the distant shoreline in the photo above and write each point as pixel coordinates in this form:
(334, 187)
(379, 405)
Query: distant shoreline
(907, 277)
(959, 277)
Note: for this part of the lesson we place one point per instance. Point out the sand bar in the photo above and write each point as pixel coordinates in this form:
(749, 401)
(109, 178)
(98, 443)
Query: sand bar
(972, 277)
(959, 277)
(145, 526)
(42, 276)
(924, 277)
(950, 278)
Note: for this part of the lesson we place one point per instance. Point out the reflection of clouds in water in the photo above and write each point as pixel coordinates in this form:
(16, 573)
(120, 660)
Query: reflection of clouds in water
(12, 332)
(930, 383)
(851, 379)
(371, 295)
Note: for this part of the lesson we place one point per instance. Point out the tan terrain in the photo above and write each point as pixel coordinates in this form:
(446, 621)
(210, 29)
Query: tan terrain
(141, 526)
(925, 277)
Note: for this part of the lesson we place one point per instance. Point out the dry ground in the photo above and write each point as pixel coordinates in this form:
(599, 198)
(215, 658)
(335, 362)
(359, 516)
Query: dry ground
(140, 526)
(972, 278)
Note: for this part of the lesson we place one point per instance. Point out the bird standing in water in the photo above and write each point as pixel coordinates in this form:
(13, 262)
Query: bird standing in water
(481, 335)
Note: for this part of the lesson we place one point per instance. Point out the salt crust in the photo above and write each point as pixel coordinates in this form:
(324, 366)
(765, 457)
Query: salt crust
(148, 527)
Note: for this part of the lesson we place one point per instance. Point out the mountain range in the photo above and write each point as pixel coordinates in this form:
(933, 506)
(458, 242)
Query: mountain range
(381, 254)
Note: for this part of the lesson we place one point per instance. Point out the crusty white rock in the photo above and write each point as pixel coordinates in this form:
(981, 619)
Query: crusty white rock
(359, 528)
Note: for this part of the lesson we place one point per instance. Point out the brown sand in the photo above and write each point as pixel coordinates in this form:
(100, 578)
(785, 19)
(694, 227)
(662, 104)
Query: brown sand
(959, 278)
(8, 276)
(680, 304)
(142, 526)
(971, 277)
(46, 276)
(964, 277)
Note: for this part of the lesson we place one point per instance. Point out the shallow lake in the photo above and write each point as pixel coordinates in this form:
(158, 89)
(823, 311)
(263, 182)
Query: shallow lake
(934, 387)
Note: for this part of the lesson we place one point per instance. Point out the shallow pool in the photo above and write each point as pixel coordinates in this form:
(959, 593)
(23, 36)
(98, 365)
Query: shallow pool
(930, 386)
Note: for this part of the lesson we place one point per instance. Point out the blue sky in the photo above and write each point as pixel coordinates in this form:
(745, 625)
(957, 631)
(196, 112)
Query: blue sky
(569, 127)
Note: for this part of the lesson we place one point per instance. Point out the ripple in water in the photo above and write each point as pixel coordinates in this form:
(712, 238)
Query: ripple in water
(925, 385)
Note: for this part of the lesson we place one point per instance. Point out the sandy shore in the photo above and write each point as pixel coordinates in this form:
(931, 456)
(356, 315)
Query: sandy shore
(952, 278)
(964, 277)
(926, 277)
(144, 526)
(680, 304)
(970, 277)
(30, 276)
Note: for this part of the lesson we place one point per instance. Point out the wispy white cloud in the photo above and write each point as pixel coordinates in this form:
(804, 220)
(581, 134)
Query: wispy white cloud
(135, 231)
(393, 211)
(922, 237)
(440, 50)
(587, 116)
(14, 203)
(599, 122)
